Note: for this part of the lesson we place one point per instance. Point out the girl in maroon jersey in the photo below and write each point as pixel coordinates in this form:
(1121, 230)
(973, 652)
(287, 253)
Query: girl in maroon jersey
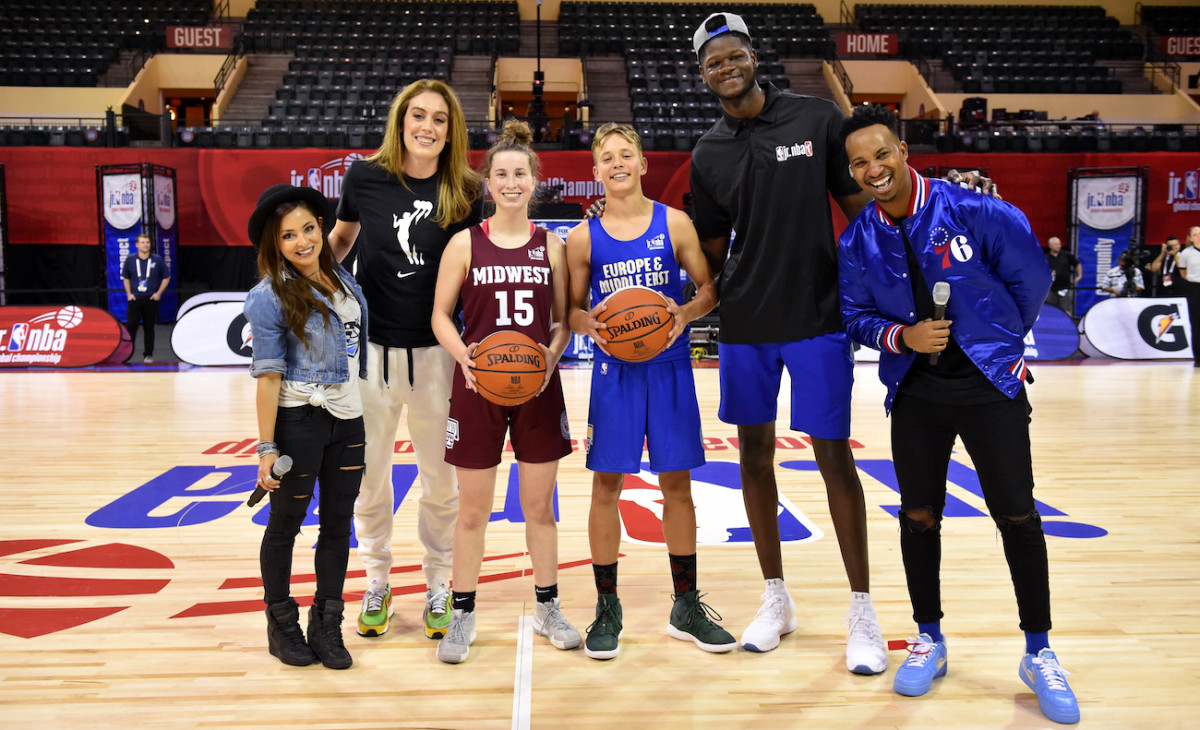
(511, 275)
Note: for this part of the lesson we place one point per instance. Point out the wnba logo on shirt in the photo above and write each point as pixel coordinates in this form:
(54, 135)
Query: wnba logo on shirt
(720, 512)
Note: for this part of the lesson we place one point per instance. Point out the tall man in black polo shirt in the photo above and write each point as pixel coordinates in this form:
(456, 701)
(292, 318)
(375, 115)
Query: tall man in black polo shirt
(761, 178)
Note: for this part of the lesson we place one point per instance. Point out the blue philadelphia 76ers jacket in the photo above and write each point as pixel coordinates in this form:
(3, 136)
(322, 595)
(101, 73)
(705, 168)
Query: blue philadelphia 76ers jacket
(983, 247)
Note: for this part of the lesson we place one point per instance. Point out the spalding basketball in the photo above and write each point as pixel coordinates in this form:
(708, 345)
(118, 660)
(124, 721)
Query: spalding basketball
(638, 323)
(509, 368)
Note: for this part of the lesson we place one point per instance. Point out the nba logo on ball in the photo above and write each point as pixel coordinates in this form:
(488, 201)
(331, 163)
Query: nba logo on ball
(720, 512)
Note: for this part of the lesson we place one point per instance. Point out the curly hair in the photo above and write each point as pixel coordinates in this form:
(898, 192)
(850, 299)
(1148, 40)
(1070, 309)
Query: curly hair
(868, 115)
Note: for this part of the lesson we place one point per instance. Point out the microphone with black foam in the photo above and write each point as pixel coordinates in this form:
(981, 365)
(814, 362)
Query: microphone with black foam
(941, 297)
(282, 466)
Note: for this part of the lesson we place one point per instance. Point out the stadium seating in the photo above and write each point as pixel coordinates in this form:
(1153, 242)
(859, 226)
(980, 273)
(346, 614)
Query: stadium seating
(1011, 49)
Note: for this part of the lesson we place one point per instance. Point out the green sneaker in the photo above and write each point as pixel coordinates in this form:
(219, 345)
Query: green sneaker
(605, 631)
(437, 612)
(376, 612)
(690, 621)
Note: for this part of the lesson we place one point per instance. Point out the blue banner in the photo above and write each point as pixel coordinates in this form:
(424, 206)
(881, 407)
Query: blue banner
(1107, 209)
(1054, 336)
(167, 241)
(118, 245)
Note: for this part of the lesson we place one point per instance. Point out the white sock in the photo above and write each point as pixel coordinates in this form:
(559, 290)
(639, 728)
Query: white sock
(775, 585)
(861, 601)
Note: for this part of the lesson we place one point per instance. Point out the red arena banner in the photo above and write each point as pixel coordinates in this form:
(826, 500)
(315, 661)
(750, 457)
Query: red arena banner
(872, 44)
(200, 37)
(59, 337)
(1181, 46)
(216, 188)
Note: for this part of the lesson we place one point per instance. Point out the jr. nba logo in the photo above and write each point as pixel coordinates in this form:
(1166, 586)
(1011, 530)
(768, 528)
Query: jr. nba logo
(720, 511)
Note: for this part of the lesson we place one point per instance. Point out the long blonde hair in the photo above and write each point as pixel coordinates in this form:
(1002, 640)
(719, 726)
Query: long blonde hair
(460, 186)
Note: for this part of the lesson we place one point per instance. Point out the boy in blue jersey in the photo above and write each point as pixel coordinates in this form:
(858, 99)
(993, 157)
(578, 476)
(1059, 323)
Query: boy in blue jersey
(968, 382)
(631, 403)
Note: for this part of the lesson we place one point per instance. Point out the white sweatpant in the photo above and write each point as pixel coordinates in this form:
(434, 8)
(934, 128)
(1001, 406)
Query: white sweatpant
(428, 402)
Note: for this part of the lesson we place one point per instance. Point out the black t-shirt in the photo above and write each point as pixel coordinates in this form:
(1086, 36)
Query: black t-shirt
(955, 380)
(1063, 265)
(768, 180)
(399, 249)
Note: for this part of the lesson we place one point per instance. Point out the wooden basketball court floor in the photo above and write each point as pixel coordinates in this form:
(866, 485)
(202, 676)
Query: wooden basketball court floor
(129, 594)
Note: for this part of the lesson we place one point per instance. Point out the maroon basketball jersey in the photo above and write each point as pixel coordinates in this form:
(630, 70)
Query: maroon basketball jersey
(508, 288)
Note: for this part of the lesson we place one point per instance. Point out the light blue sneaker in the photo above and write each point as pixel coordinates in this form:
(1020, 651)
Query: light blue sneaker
(1048, 680)
(926, 662)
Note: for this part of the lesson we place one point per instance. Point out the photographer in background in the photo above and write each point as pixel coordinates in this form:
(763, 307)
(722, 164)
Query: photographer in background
(1166, 266)
(1124, 279)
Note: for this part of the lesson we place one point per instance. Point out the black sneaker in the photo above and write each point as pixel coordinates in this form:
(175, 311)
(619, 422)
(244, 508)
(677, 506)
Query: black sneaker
(604, 633)
(690, 621)
(325, 635)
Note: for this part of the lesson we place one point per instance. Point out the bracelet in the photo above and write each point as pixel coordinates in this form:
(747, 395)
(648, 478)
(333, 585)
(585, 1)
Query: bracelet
(266, 447)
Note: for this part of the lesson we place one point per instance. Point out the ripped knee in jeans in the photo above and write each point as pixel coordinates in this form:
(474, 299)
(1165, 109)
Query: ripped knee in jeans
(920, 519)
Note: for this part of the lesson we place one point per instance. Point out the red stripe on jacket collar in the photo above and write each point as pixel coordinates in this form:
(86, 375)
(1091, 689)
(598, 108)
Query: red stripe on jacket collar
(920, 195)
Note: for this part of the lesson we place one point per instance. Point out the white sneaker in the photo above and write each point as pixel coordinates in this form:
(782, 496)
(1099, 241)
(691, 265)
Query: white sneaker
(865, 651)
(548, 621)
(776, 617)
(456, 644)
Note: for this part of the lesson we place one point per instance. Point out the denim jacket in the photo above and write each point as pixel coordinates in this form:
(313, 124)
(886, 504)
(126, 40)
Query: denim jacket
(278, 350)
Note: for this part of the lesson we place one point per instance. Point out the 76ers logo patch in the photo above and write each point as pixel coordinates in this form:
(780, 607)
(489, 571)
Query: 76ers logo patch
(957, 247)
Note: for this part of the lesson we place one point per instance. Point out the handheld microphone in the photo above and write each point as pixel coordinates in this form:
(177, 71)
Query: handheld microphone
(941, 297)
(282, 466)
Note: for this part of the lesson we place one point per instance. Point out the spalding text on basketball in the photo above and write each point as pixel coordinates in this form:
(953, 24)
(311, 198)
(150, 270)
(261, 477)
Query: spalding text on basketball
(632, 323)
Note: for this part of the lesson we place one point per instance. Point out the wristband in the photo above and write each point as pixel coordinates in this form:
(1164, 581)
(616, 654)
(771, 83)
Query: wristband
(266, 447)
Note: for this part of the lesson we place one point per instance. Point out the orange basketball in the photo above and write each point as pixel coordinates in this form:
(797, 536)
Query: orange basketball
(509, 368)
(638, 323)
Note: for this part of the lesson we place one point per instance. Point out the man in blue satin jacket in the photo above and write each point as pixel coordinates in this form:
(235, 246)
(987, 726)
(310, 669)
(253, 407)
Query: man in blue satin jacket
(954, 374)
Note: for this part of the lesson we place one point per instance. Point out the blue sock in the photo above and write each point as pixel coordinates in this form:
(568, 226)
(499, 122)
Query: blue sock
(934, 630)
(1036, 641)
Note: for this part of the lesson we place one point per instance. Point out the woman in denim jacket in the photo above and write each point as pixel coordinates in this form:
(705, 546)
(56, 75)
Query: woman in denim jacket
(307, 317)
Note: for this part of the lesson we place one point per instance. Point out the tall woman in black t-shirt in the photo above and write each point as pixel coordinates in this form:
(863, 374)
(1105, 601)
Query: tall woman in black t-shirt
(401, 205)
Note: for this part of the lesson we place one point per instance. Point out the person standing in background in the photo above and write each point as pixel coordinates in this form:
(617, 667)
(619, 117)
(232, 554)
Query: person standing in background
(1067, 272)
(1189, 275)
(401, 205)
(145, 276)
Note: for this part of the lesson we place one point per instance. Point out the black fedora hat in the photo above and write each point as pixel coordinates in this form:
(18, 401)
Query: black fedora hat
(277, 195)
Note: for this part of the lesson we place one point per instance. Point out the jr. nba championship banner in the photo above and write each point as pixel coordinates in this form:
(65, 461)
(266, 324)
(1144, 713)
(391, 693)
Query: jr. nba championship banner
(166, 238)
(137, 199)
(1108, 214)
(121, 209)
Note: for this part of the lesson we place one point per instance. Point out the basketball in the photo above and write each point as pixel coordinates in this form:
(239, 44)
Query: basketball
(69, 317)
(638, 323)
(509, 368)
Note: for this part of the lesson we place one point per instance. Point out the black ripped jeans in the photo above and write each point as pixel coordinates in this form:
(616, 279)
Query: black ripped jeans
(326, 448)
(996, 435)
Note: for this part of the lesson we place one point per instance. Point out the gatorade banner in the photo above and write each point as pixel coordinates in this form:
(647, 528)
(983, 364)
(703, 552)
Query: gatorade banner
(167, 238)
(121, 208)
(1130, 328)
(1106, 213)
(60, 337)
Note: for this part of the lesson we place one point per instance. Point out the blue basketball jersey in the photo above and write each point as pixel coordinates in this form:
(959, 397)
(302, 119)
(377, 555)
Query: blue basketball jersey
(648, 261)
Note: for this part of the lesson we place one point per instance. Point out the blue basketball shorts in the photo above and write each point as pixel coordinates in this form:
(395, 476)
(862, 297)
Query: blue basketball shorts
(822, 374)
(652, 404)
